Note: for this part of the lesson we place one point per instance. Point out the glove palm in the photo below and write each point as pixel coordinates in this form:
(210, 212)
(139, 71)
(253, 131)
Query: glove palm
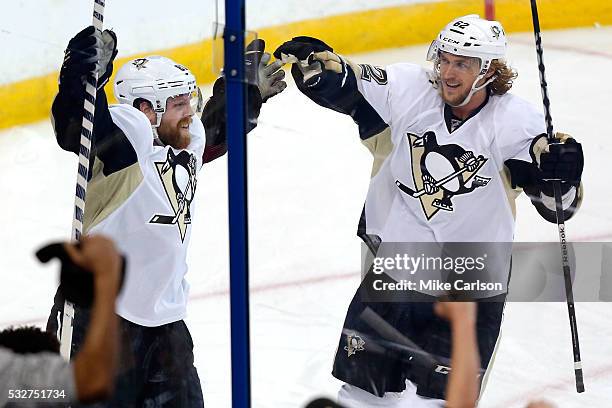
(268, 77)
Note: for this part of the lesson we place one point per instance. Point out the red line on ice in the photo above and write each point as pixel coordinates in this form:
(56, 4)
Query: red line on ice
(223, 292)
(283, 285)
(277, 285)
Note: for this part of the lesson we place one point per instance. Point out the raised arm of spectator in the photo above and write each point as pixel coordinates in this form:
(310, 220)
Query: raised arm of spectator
(95, 365)
(90, 376)
(462, 389)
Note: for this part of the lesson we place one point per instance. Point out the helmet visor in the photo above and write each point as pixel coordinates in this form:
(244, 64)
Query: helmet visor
(196, 101)
(432, 52)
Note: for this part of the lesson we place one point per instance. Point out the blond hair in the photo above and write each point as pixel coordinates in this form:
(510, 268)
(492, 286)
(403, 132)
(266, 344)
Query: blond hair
(504, 77)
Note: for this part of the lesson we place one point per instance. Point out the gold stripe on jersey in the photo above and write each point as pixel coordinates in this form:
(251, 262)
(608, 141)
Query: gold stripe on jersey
(511, 193)
(380, 146)
(107, 193)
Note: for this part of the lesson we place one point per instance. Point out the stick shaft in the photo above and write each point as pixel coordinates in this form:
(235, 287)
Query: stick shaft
(559, 205)
(82, 175)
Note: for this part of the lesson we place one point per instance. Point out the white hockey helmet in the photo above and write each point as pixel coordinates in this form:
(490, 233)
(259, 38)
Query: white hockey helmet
(471, 36)
(156, 79)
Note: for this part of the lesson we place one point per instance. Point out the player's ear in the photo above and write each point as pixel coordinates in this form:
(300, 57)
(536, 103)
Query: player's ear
(146, 108)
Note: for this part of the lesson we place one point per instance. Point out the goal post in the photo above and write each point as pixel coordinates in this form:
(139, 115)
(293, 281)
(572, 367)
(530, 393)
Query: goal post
(234, 71)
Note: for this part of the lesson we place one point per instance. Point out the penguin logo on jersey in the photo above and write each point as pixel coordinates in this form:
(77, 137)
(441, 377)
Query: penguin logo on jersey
(178, 176)
(354, 344)
(440, 172)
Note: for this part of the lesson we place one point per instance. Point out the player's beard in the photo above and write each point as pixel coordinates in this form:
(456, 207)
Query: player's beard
(176, 136)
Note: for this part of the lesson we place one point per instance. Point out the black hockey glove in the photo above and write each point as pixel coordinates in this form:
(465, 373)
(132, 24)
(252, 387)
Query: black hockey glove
(89, 51)
(562, 161)
(314, 62)
(268, 77)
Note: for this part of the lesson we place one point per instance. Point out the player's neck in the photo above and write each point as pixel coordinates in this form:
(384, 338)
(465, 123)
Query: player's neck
(463, 112)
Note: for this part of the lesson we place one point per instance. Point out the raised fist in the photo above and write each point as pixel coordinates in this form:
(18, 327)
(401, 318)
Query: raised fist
(89, 51)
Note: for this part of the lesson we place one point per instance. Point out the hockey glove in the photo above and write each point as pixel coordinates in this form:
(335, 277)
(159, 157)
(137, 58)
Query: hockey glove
(268, 77)
(314, 62)
(562, 160)
(89, 51)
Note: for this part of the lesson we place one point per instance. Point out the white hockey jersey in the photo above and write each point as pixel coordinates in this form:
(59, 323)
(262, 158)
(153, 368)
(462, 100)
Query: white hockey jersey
(472, 204)
(147, 209)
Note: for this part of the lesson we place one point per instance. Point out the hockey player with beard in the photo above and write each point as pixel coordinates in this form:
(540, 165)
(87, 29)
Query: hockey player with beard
(146, 154)
(452, 150)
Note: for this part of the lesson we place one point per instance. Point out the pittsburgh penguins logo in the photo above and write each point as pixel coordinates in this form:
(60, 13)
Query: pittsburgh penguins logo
(354, 344)
(496, 31)
(441, 172)
(178, 176)
(139, 63)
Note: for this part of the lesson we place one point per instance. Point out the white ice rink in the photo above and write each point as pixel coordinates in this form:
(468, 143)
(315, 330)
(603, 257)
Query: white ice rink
(308, 177)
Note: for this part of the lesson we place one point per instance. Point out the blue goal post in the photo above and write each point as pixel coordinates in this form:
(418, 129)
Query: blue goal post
(237, 196)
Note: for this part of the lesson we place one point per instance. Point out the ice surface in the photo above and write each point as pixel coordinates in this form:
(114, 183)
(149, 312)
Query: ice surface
(308, 177)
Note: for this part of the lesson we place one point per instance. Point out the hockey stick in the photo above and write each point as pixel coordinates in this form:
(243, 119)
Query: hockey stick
(559, 205)
(82, 176)
(441, 182)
